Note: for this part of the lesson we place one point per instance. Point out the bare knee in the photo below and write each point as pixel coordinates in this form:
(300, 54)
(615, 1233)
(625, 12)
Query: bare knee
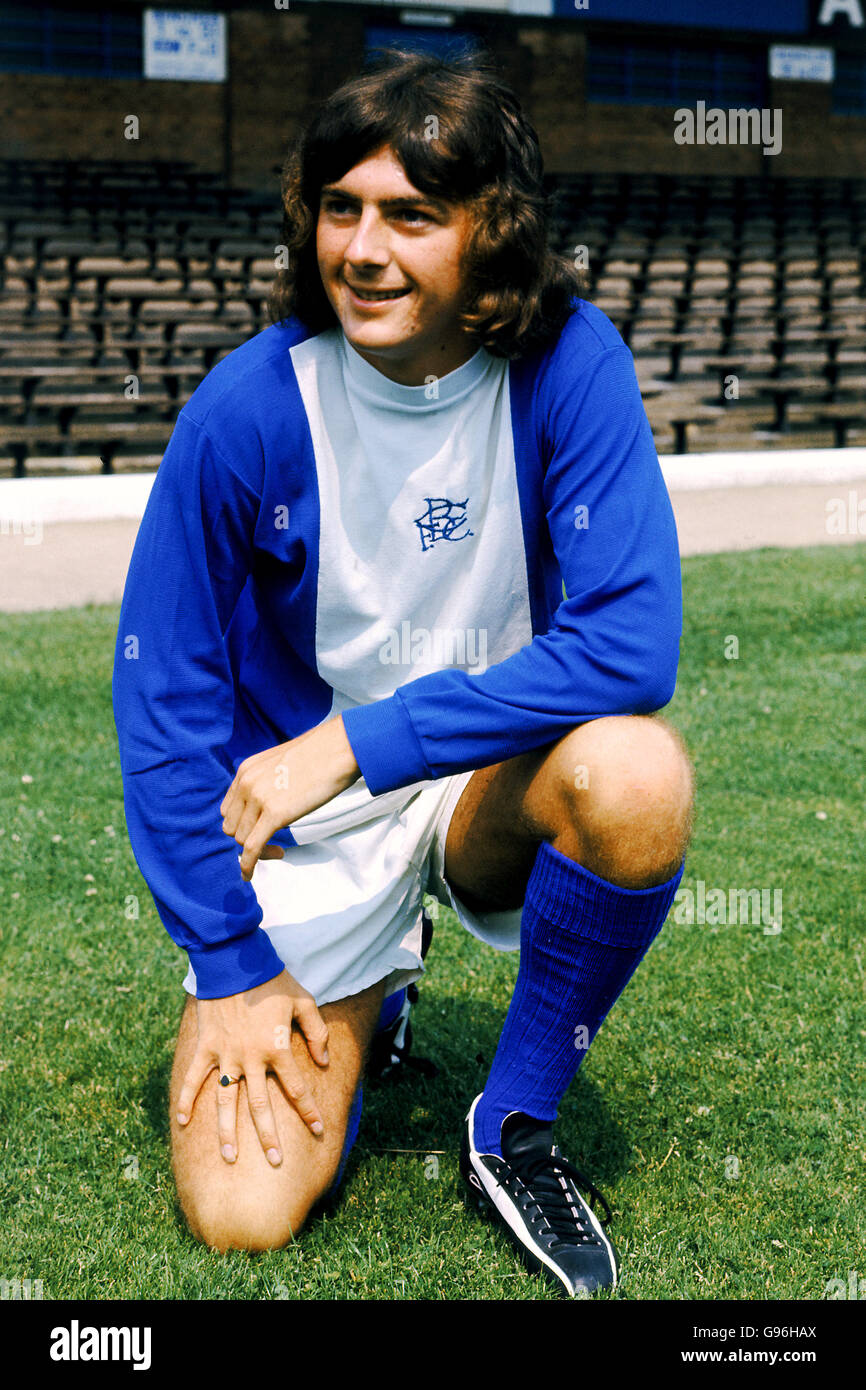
(627, 795)
(231, 1223)
(251, 1206)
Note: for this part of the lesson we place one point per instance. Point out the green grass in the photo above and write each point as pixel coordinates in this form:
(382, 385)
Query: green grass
(720, 1110)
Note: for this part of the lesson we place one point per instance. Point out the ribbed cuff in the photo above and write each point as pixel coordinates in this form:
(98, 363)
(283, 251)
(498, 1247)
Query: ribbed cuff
(385, 745)
(563, 892)
(231, 967)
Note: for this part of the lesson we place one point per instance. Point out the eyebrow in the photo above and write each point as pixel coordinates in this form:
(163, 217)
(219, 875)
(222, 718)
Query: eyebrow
(407, 201)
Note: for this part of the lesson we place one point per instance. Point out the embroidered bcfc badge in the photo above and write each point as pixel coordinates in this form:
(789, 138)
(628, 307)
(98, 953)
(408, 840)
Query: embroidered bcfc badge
(441, 521)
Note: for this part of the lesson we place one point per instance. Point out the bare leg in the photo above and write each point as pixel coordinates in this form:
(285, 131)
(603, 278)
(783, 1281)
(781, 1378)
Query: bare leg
(249, 1204)
(615, 794)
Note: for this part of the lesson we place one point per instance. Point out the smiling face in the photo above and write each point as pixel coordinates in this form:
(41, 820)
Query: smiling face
(377, 232)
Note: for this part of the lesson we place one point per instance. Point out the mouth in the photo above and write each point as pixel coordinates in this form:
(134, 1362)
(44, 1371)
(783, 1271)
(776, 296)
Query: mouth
(370, 296)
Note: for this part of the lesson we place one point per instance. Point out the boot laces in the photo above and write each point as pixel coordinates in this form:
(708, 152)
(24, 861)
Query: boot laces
(546, 1176)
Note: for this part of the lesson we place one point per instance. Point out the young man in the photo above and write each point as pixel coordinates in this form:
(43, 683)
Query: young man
(403, 602)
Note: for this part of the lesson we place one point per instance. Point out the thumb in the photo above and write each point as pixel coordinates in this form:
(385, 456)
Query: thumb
(314, 1027)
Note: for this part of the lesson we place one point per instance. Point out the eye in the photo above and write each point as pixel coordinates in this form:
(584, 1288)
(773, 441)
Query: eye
(337, 206)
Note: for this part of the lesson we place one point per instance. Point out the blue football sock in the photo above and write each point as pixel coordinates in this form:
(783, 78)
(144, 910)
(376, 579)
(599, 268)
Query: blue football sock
(352, 1127)
(581, 939)
(389, 1011)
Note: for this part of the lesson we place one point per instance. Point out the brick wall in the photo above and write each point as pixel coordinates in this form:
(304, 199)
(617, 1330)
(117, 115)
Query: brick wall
(282, 65)
(283, 62)
(82, 118)
(579, 136)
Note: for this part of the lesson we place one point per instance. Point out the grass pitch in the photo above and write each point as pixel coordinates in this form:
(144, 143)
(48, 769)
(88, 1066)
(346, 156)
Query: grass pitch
(720, 1109)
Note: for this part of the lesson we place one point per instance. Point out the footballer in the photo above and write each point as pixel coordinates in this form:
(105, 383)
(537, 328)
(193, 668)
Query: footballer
(403, 606)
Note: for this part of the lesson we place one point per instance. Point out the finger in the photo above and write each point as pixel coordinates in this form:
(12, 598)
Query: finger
(198, 1070)
(240, 797)
(255, 843)
(263, 1116)
(235, 782)
(232, 803)
(298, 1093)
(246, 820)
(227, 1113)
(314, 1027)
(272, 852)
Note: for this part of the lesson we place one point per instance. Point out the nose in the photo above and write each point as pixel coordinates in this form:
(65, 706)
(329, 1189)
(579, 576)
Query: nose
(369, 243)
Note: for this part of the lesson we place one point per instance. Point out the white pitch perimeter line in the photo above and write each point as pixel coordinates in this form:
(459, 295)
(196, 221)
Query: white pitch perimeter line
(123, 496)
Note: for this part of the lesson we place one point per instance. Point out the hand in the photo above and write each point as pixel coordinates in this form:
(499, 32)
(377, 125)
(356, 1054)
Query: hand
(273, 788)
(249, 1035)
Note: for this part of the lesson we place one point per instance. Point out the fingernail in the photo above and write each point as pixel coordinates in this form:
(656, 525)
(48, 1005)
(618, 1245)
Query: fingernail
(317, 1126)
(325, 1057)
(273, 1156)
(181, 1118)
(228, 1152)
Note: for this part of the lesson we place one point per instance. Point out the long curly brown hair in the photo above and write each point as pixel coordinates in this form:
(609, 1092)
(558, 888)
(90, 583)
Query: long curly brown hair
(460, 135)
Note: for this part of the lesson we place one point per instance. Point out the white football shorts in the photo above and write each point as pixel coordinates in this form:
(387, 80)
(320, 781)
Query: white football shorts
(343, 906)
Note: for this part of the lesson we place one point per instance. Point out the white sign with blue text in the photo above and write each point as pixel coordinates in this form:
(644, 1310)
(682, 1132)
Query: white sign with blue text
(801, 63)
(184, 45)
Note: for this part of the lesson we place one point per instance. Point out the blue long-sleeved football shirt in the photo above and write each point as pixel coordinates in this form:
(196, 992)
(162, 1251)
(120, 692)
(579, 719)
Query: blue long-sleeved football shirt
(321, 540)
